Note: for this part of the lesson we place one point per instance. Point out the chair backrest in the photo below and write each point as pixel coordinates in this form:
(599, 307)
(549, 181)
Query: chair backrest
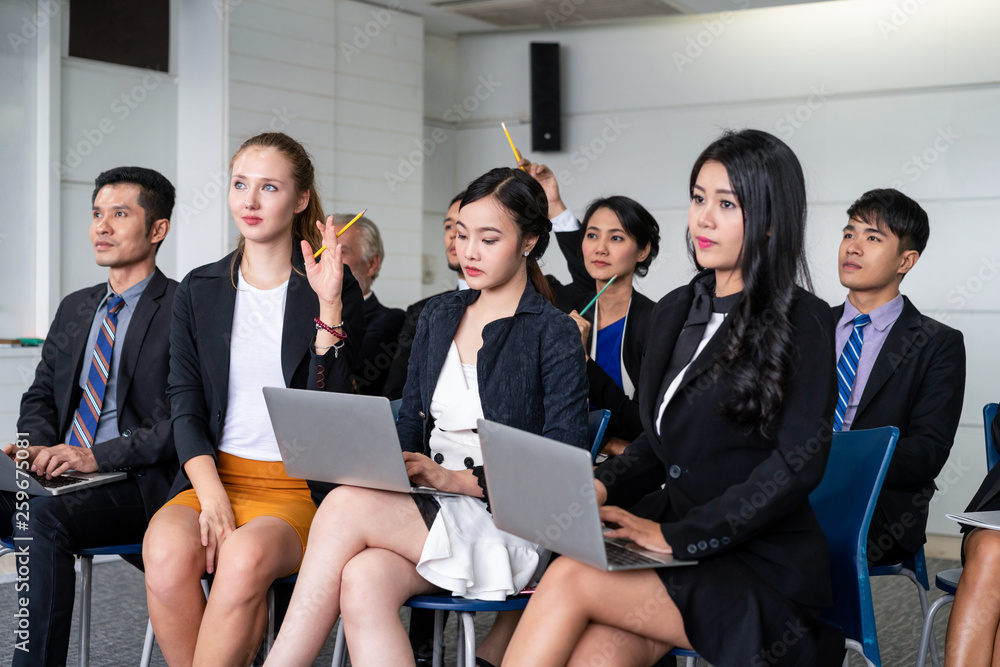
(992, 455)
(395, 407)
(844, 502)
(597, 422)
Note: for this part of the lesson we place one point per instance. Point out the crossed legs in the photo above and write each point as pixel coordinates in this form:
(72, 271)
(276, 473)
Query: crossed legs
(973, 639)
(363, 547)
(227, 630)
(579, 612)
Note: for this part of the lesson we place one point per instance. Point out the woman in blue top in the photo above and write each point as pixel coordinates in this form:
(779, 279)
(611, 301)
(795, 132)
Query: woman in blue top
(619, 237)
(498, 350)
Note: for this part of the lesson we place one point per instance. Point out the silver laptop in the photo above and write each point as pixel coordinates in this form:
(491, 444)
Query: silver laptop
(339, 438)
(543, 491)
(14, 479)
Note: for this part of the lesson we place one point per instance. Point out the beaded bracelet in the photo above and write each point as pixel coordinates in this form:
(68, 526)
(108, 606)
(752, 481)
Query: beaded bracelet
(330, 330)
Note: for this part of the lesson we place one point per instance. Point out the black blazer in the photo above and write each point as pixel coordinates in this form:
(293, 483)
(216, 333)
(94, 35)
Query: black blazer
(145, 448)
(199, 351)
(604, 393)
(726, 492)
(379, 346)
(917, 385)
(530, 370)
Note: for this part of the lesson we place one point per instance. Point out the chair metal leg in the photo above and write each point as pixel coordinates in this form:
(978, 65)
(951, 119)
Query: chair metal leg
(690, 662)
(340, 647)
(437, 659)
(269, 639)
(852, 645)
(86, 584)
(928, 629)
(465, 619)
(147, 645)
(924, 608)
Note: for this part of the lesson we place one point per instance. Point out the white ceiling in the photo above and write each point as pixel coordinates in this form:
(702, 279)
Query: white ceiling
(453, 17)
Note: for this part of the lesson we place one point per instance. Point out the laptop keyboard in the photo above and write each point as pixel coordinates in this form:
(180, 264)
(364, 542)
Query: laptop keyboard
(619, 555)
(55, 482)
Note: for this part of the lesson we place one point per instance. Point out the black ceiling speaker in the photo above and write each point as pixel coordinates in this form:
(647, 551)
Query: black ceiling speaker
(546, 112)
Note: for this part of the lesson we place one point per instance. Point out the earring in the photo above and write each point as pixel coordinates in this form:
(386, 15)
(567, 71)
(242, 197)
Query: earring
(527, 252)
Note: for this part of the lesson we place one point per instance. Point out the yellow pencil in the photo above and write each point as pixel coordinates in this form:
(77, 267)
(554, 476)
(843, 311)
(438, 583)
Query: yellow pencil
(517, 156)
(342, 230)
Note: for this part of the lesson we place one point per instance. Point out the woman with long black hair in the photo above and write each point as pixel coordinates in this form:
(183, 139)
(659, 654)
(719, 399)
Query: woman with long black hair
(741, 375)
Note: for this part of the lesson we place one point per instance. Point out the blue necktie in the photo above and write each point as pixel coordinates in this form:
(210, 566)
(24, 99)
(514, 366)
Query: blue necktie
(87, 415)
(847, 368)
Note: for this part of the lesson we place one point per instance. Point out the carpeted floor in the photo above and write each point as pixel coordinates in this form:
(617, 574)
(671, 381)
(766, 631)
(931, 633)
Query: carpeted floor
(119, 619)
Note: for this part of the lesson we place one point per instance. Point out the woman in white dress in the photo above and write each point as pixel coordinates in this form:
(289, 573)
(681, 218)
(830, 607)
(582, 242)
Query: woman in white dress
(499, 350)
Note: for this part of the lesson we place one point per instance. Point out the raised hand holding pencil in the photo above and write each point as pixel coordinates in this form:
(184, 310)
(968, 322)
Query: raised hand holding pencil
(339, 232)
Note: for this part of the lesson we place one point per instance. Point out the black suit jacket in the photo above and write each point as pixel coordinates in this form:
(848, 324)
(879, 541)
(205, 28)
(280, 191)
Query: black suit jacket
(917, 385)
(145, 448)
(728, 493)
(379, 347)
(199, 351)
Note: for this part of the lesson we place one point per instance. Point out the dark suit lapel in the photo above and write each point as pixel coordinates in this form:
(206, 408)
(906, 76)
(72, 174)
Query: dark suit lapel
(67, 388)
(146, 309)
(297, 332)
(708, 357)
(664, 330)
(440, 337)
(897, 345)
(213, 300)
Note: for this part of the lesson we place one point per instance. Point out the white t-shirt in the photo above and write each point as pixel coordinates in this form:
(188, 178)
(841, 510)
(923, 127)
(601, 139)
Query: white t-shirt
(254, 363)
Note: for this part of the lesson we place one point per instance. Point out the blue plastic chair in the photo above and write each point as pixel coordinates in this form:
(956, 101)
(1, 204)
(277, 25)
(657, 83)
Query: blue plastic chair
(395, 407)
(858, 461)
(947, 581)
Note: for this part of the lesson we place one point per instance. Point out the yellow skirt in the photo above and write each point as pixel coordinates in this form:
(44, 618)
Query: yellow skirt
(259, 488)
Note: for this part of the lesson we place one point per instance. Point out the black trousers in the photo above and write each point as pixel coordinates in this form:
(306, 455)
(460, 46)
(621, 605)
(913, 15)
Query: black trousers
(45, 539)
(883, 544)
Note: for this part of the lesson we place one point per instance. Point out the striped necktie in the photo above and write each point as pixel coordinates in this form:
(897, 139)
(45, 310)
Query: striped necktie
(89, 412)
(847, 368)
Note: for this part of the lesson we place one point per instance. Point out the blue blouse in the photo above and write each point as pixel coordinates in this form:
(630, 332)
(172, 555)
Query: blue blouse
(609, 350)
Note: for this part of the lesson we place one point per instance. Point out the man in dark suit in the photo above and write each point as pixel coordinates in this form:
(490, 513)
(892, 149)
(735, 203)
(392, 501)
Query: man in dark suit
(364, 253)
(86, 414)
(910, 372)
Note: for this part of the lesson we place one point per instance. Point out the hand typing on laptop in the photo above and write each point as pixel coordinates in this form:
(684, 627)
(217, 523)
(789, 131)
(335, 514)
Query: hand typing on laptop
(642, 532)
(11, 451)
(423, 471)
(54, 461)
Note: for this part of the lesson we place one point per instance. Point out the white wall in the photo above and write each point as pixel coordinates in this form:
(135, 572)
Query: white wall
(867, 96)
(355, 99)
(343, 78)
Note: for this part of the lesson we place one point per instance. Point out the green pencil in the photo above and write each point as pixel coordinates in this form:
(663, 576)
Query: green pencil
(594, 300)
